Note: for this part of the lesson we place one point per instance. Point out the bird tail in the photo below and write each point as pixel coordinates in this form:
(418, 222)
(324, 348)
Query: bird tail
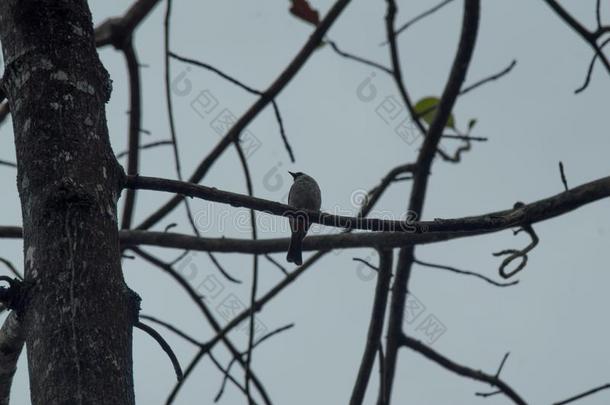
(294, 250)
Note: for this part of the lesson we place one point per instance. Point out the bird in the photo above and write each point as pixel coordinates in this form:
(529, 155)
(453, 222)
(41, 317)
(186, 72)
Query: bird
(304, 194)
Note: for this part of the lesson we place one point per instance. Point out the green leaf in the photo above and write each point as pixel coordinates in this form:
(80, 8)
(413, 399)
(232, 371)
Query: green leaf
(426, 109)
(471, 123)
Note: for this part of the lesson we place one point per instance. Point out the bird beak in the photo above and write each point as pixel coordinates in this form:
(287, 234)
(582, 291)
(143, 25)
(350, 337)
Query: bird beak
(294, 176)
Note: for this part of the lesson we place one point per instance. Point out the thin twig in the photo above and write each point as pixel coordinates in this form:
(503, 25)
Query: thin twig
(259, 341)
(421, 16)
(366, 263)
(356, 58)
(277, 264)
(7, 163)
(253, 291)
(489, 394)
(172, 328)
(206, 313)
(164, 345)
(465, 272)
(145, 146)
(461, 370)
(229, 377)
(514, 254)
(465, 137)
(488, 79)
(268, 95)
(590, 68)
(11, 267)
(563, 176)
(249, 89)
(584, 394)
(222, 270)
(589, 37)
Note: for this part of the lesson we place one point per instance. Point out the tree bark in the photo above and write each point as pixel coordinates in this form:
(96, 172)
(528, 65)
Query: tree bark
(77, 312)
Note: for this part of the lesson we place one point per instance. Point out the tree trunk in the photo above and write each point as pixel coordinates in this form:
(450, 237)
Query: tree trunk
(77, 311)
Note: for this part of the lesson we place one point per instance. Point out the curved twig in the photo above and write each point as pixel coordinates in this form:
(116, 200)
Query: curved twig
(590, 68)
(11, 267)
(514, 254)
(145, 146)
(464, 272)
(164, 345)
(206, 313)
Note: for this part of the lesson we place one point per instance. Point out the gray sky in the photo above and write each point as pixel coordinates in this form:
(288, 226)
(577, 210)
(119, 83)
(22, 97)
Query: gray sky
(552, 322)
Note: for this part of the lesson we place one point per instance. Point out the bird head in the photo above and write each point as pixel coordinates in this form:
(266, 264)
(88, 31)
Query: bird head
(296, 175)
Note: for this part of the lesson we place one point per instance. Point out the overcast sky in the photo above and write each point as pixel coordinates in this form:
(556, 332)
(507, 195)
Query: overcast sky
(554, 322)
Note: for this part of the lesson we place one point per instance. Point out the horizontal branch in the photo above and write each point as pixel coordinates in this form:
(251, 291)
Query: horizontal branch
(259, 204)
(423, 232)
(524, 214)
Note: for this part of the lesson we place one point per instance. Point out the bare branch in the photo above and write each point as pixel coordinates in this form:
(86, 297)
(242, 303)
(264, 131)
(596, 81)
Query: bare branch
(588, 36)
(259, 204)
(563, 176)
(276, 264)
(457, 75)
(253, 291)
(207, 314)
(11, 268)
(145, 146)
(373, 340)
(255, 344)
(514, 254)
(164, 345)
(172, 328)
(268, 95)
(7, 163)
(491, 78)
(461, 370)
(356, 58)
(366, 263)
(114, 30)
(420, 17)
(590, 68)
(135, 122)
(276, 109)
(464, 272)
(584, 394)
(426, 231)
